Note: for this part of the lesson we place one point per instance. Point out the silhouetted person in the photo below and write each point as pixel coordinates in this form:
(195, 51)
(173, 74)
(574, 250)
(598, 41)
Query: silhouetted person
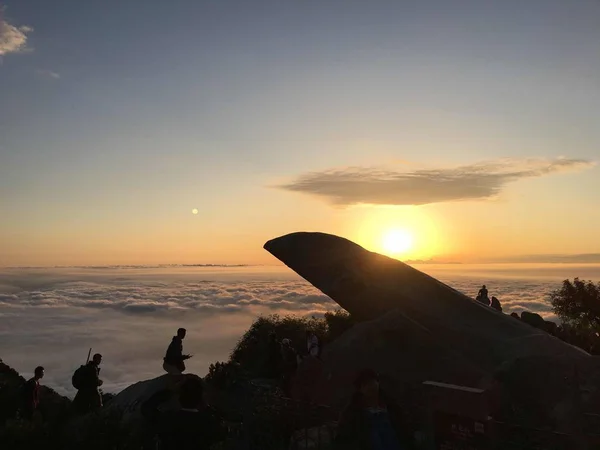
(173, 362)
(274, 357)
(312, 343)
(496, 304)
(483, 291)
(371, 421)
(88, 397)
(31, 394)
(194, 426)
(482, 296)
(290, 365)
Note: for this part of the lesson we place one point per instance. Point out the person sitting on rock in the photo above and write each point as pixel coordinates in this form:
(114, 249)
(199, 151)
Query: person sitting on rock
(88, 397)
(482, 296)
(31, 394)
(290, 365)
(371, 421)
(194, 426)
(173, 362)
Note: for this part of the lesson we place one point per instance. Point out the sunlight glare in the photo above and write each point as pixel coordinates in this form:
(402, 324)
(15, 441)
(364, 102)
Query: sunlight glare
(397, 241)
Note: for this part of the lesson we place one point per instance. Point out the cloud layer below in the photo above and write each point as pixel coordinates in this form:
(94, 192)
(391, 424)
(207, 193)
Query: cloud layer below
(53, 316)
(479, 181)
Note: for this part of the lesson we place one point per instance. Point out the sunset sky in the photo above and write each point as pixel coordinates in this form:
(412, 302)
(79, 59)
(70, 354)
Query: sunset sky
(462, 130)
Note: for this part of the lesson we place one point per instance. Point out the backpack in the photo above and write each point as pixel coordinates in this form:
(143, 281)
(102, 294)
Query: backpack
(79, 377)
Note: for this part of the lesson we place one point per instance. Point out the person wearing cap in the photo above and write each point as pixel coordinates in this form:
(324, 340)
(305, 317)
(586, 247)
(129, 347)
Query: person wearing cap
(371, 421)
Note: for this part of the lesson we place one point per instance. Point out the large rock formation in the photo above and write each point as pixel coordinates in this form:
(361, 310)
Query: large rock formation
(369, 285)
(129, 401)
(414, 328)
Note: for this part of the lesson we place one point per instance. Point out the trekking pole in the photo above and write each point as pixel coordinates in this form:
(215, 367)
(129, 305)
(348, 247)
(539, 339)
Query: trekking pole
(88, 358)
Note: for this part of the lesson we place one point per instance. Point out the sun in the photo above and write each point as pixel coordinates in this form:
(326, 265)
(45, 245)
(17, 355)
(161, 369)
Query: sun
(397, 241)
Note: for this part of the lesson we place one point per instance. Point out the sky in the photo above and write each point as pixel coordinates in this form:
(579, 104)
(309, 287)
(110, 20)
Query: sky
(147, 132)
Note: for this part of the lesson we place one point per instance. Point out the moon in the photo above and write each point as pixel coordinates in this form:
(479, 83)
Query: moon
(194, 211)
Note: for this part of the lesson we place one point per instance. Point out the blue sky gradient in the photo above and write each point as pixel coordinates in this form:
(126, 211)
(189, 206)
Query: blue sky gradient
(123, 116)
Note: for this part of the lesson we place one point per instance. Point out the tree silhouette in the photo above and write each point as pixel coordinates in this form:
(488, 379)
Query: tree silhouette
(577, 304)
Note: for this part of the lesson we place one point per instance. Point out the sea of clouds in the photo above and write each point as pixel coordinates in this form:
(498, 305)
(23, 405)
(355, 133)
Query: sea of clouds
(53, 316)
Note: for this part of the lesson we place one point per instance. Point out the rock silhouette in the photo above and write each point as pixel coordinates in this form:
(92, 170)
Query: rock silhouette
(496, 304)
(129, 401)
(369, 285)
(533, 319)
(415, 328)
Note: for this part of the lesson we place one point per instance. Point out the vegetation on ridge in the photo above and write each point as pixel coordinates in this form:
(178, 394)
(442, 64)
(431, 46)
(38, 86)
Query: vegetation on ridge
(577, 304)
(247, 359)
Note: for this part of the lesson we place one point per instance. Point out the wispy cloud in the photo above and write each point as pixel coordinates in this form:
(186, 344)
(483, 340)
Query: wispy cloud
(13, 39)
(484, 180)
(48, 74)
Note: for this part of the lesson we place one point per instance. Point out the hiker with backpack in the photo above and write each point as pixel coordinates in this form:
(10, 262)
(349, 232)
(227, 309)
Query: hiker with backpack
(31, 394)
(173, 362)
(87, 380)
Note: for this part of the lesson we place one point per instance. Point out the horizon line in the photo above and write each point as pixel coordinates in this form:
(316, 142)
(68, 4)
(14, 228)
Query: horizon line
(589, 258)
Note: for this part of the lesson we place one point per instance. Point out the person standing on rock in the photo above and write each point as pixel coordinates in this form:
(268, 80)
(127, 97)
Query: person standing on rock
(312, 343)
(31, 394)
(87, 381)
(173, 362)
(371, 421)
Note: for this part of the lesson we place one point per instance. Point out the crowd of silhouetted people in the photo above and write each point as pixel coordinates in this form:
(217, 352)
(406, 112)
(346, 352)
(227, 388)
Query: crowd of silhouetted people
(282, 358)
(371, 420)
(86, 380)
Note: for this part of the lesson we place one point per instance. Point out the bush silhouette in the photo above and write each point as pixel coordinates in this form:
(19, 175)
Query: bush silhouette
(248, 357)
